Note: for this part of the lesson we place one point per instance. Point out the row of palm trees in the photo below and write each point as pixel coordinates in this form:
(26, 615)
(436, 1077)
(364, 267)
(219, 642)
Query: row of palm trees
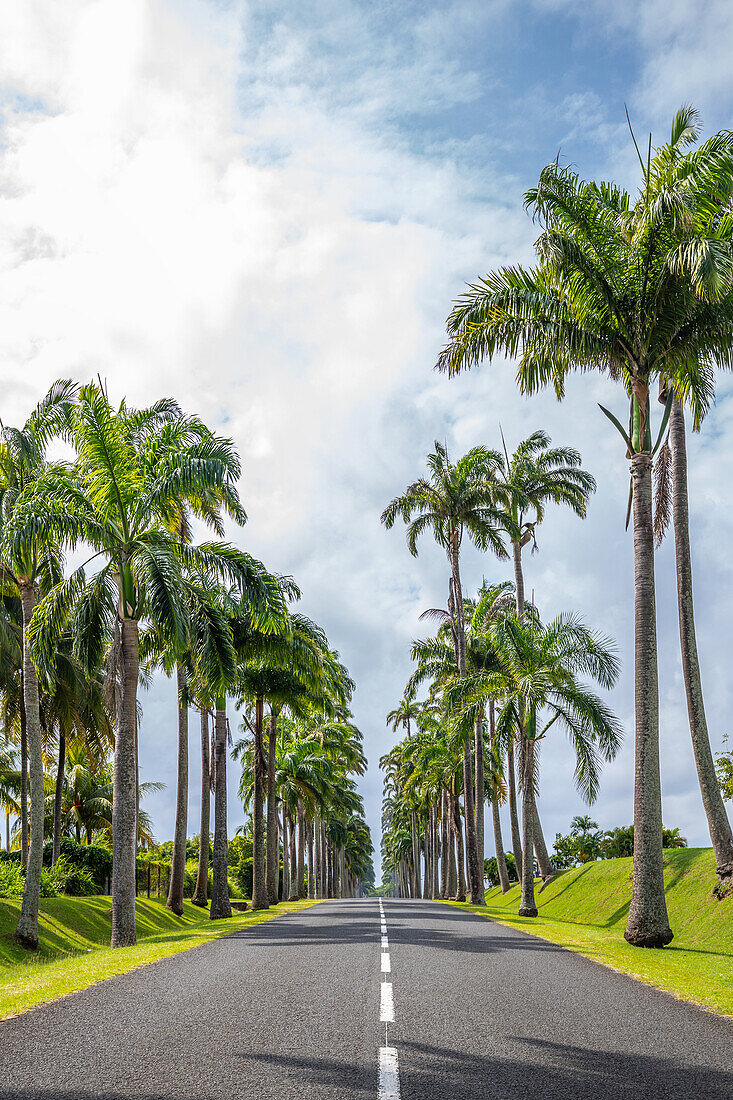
(74, 646)
(498, 678)
(640, 289)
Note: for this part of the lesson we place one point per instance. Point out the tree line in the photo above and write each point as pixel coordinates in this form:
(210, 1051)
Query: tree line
(75, 646)
(641, 290)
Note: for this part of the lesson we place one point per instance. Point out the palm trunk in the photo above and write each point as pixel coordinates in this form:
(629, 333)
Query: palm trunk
(518, 577)
(514, 812)
(324, 870)
(475, 873)
(273, 840)
(417, 884)
(427, 843)
(220, 904)
(648, 923)
(436, 852)
(201, 893)
(444, 844)
(23, 778)
(286, 857)
(501, 866)
(311, 875)
(301, 850)
(718, 823)
(259, 881)
(452, 868)
(480, 794)
(460, 854)
(58, 796)
(319, 858)
(124, 793)
(178, 860)
(527, 906)
(543, 859)
(26, 931)
(293, 896)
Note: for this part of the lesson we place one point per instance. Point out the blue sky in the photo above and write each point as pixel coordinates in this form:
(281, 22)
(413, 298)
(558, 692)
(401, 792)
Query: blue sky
(266, 209)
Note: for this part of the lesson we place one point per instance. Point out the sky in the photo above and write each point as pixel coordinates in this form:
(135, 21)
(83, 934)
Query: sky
(266, 209)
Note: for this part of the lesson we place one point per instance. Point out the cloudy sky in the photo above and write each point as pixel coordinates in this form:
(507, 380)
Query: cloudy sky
(265, 209)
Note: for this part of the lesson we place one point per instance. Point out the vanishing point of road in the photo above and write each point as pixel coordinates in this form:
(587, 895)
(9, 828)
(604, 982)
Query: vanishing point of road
(362, 999)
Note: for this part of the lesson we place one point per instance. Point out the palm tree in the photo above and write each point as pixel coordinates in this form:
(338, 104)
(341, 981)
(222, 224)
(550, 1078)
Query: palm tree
(535, 475)
(121, 498)
(538, 669)
(28, 565)
(617, 289)
(201, 890)
(403, 716)
(457, 499)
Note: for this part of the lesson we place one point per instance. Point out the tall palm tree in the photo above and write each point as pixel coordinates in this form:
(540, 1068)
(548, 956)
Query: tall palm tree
(27, 566)
(403, 716)
(719, 826)
(668, 170)
(537, 671)
(616, 289)
(535, 475)
(458, 499)
(120, 498)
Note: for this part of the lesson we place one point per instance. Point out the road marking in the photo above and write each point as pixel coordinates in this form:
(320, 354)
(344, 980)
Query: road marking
(386, 965)
(385, 943)
(389, 1074)
(386, 1004)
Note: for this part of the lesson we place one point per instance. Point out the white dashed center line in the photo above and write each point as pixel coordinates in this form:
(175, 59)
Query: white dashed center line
(389, 1074)
(386, 1004)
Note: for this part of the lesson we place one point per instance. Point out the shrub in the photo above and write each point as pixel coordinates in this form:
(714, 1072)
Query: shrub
(11, 880)
(48, 884)
(92, 858)
(77, 882)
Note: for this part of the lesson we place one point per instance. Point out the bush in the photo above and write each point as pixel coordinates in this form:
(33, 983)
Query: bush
(77, 882)
(235, 890)
(12, 879)
(91, 858)
(48, 884)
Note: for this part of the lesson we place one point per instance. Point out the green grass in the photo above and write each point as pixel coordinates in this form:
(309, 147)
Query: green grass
(585, 910)
(74, 950)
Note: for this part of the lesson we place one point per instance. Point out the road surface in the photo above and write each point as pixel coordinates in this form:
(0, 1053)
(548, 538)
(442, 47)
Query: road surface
(336, 1001)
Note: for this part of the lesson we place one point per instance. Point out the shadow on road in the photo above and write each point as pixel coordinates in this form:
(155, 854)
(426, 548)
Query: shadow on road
(554, 1071)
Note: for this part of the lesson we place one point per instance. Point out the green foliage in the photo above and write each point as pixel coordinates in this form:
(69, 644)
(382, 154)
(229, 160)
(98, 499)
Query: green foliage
(90, 860)
(491, 870)
(12, 879)
(76, 882)
(585, 843)
(49, 887)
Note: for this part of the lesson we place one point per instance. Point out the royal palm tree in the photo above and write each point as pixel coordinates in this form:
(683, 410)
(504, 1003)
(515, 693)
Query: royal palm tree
(538, 670)
(457, 499)
(403, 716)
(618, 289)
(28, 566)
(120, 497)
(668, 171)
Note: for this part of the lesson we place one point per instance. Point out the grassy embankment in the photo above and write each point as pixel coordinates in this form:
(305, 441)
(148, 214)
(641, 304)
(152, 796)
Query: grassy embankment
(74, 944)
(585, 910)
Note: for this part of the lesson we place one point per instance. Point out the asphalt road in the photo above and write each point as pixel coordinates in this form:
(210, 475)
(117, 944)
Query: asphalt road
(301, 1007)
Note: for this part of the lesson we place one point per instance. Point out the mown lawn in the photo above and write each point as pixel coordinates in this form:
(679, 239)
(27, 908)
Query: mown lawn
(74, 944)
(585, 909)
